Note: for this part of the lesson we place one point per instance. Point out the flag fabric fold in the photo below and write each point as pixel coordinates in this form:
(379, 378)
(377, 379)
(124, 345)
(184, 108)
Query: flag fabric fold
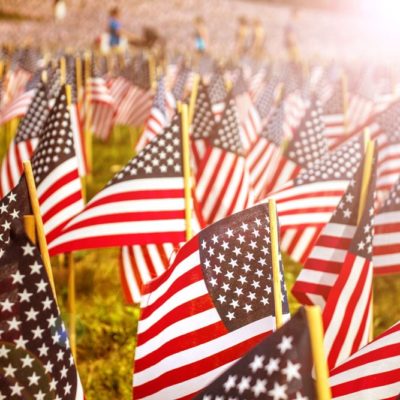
(387, 234)
(25, 141)
(36, 359)
(55, 169)
(372, 372)
(347, 315)
(142, 204)
(326, 258)
(223, 181)
(277, 368)
(212, 305)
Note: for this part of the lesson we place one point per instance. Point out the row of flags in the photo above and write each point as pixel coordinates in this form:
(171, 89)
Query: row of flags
(259, 171)
(207, 306)
(288, 165)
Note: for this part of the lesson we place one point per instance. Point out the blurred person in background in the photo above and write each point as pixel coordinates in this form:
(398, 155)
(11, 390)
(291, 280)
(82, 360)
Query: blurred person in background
(258, 50)
(114, 28)
(200, 35)
(290, 37)
(59, 9)
(243, 37)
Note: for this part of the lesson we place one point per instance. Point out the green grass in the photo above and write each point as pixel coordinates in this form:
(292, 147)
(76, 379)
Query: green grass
(106, 327)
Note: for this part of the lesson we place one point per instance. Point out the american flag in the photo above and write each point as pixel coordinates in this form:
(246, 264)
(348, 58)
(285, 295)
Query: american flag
(266, 98)
(134, 106)
(323, 80)
(296, 103)
(387, 234)
(326, 258)
(15, 82)
(264, 155)
(291, 74)
(334, 115)
(347, 314)
(307, 146)
(27, 58)
(53, 84)
(386, 89)
(258, 81)
(181, 80)
(309, 143)
(171, 73)
(249, 119)
(306, 204)
(372, 372)
(217, 93)
(119, 87)
(25, 141)
(202, 126)
(17, 107)
(103, 107)
(223, 181)
(295, 109)
(35, 357)
(384, 128)
(132, 93)
(205, 67)
(13, 207)
(139, 264)
(55, 169)
(18, 102)
(213, 304)
(76, 119)
(138, 71)
(388, 137)
(277, 368)
(157, 120)
(361, 103)
(142, 204)
(35, 80)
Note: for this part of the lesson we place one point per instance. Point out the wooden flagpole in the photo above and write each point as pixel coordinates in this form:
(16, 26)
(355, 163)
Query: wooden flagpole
(186, 170)
(44, 76)
(30, 181)
(2, 69)
(152, 70)
(366, 177)
(88, 118)
(68, 95)
(3, 127)
(63, 71)
(276, 274)
(29, 227)
(193, 97)
(316, 329)
(78, 75)
(71, 272)
(228, 85)
(71, 302)
(279, 93)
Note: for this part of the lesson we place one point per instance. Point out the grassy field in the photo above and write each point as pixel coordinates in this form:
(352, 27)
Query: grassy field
(106, 327)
